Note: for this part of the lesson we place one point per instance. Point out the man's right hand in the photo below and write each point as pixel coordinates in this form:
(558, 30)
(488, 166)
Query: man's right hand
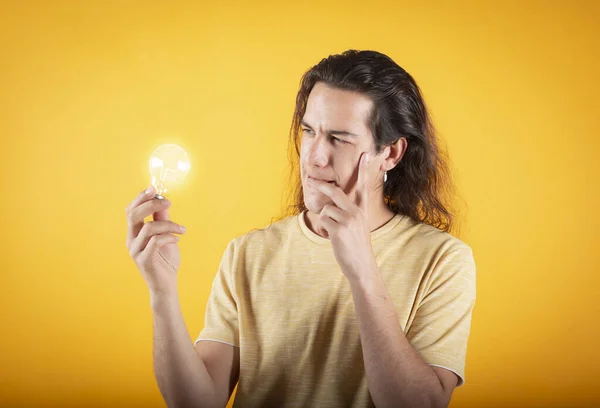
(153, 245)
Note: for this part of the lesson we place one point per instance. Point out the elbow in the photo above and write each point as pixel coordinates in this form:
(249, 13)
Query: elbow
(428, 398)
(424, 399)
(438, 399)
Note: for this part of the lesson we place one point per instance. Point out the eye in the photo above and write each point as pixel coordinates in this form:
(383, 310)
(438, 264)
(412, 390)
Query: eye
(338, 140)
(304, 130)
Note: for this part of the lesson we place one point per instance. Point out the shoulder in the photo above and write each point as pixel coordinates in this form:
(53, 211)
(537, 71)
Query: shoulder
(435, 242)
(269, 236)
(452, 264)
(442, 256)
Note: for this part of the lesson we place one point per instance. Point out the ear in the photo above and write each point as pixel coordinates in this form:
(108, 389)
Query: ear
(392, 154)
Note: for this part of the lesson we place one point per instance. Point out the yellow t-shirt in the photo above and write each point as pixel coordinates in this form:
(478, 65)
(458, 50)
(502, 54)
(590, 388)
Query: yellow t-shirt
(280, 296)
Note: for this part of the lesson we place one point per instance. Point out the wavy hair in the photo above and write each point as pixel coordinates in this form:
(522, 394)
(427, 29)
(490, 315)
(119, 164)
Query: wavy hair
(420, 186)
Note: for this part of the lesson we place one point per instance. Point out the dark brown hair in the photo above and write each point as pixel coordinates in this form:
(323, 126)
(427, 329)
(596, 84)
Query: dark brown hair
(420, 186)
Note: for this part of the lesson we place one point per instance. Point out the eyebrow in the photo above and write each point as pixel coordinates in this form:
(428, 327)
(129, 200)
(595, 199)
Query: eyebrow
(334, 132)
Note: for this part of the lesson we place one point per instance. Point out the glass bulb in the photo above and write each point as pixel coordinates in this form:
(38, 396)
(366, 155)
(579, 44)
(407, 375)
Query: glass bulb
(169, 164)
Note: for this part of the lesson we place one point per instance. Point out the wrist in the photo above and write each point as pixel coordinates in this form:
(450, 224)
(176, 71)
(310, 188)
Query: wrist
(367, 281)
(163, 296)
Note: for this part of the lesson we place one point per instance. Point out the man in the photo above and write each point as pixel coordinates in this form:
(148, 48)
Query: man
(361, 297)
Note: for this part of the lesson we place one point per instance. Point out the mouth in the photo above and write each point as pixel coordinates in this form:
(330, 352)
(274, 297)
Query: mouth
(326, 181)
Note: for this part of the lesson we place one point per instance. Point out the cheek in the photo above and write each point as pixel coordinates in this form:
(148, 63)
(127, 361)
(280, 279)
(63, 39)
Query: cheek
(304, 148)
(343, 169)
(347, 175)
(303, 156)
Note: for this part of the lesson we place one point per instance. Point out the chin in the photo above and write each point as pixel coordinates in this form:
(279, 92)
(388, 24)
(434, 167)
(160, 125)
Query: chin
(315, 203)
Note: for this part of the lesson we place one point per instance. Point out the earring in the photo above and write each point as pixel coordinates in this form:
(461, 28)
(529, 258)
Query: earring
(384, 176)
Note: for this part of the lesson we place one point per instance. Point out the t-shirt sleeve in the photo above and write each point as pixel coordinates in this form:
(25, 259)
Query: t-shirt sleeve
(221, 319)
(442, 322)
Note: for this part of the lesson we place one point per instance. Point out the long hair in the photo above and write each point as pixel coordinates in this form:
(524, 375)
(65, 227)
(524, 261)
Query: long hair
(420, 186)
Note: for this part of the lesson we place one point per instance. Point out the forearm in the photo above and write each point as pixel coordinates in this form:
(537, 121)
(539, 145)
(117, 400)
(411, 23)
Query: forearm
(181, 375)
(396, 373)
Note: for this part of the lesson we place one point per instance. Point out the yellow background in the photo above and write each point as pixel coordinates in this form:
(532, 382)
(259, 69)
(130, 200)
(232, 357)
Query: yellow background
(89, 89)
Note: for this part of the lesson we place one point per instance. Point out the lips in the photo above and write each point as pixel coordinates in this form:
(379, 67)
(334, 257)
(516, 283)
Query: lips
(311, 181)
(320, 179)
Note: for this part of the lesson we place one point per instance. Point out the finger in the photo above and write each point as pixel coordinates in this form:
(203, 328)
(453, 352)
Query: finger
(334, 192)
(136, 215)
(362, 184)
(329, 225)
(157, 242)
(333, 212)
(161, 215)
(151, 229)
(144, 196)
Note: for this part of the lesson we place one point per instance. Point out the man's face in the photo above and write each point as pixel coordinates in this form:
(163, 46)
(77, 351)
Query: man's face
(335, 134)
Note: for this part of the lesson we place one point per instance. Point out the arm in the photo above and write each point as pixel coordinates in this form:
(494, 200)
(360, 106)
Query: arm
(203, 376)
(396, 373)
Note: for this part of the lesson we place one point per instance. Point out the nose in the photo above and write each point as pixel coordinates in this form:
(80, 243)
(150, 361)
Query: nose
(318, 152)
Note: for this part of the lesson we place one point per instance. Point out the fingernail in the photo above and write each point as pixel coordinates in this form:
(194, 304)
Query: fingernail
(149, 190)
(181, 228)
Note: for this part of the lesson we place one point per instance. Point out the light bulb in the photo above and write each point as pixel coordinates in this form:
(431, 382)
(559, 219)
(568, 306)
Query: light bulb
(169, 164)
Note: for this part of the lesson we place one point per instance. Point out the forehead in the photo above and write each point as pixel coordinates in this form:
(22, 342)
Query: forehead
(336, 109)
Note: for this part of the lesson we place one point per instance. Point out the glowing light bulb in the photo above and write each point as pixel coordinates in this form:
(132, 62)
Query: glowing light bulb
(169, 164)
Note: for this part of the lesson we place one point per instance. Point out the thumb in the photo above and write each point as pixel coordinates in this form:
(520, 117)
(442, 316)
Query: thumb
(162, 215)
